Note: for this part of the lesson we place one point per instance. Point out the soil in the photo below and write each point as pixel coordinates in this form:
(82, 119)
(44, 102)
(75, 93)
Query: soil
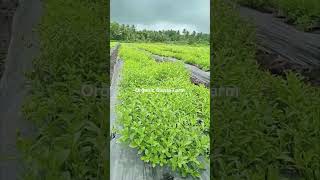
(198, 76)
(279, 65)
(282, 47)
(315, 28)
(113, 57)
(7, 10)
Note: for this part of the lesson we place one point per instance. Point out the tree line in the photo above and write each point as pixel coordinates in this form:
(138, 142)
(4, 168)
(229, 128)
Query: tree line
(122, 32)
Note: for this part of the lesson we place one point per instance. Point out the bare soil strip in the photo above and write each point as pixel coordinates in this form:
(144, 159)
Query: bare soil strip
(198, 76)
(13, 85)
(282, 47)
(278, 65)
(114, 90)
(7, 10)
(113, 57)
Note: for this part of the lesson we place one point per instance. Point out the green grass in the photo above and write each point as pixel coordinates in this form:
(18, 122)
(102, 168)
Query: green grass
(168, 129)
(303, 13)
(72, 129)
(196, 55)
(113, 44)
(273, 126)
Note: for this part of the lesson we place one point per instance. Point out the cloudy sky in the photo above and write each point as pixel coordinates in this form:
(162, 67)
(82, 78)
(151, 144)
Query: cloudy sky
(163, 14)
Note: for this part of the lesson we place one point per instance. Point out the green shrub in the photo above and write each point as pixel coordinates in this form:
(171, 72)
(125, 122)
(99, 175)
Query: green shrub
(71, 138)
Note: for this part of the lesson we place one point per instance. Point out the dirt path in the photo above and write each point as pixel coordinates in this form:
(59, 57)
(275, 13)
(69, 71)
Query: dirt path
(22, 50)
(113, 57)
(274, 34)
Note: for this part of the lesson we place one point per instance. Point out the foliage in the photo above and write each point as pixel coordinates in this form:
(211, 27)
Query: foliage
(71, 138)
(131, 34)
(196, 55)
(272, 129)
(113, 44)
(167, 128)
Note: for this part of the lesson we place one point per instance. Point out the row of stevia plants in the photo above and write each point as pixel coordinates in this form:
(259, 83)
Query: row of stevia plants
(198, 55)
(70, 141)
(167, 129)
(272, 129)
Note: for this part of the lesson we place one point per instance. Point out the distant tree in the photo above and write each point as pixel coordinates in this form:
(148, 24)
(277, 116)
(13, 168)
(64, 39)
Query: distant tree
(131, 34)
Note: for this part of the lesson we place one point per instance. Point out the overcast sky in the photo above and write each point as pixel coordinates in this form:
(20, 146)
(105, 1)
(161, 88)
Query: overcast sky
(163, 14)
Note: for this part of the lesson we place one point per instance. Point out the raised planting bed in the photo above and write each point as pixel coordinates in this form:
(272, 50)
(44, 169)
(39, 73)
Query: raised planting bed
(157, 134)
(304, 15)
(197, 55)
(274, 35)
(270, 131)
(198, 76)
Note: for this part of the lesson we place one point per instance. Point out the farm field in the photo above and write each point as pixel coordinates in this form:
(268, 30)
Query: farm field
(272, 129)
(196, 55)
(162, 113)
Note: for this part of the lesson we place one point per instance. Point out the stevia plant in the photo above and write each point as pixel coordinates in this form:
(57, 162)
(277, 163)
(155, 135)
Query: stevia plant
(196, 55)
(271, 129)
(167, 129)
(70, 141)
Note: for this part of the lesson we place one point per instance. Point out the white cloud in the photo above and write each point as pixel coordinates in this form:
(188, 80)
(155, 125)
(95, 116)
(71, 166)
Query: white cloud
(153, 14)
(167, 26)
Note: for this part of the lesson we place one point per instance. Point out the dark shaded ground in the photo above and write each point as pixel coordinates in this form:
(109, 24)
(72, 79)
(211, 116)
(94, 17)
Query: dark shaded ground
(7, 9)
(22, 50)
(314, 28)
(279, 65)
(281, 47)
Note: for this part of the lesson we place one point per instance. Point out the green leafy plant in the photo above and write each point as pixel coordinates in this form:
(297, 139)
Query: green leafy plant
(196, 55)
(71, 129)
(167, 128)
(271, 129)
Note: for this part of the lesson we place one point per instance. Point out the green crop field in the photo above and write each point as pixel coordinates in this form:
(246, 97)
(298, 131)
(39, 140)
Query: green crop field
(272, 130)
(196, 55)
(167, 128)
(70, 141)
